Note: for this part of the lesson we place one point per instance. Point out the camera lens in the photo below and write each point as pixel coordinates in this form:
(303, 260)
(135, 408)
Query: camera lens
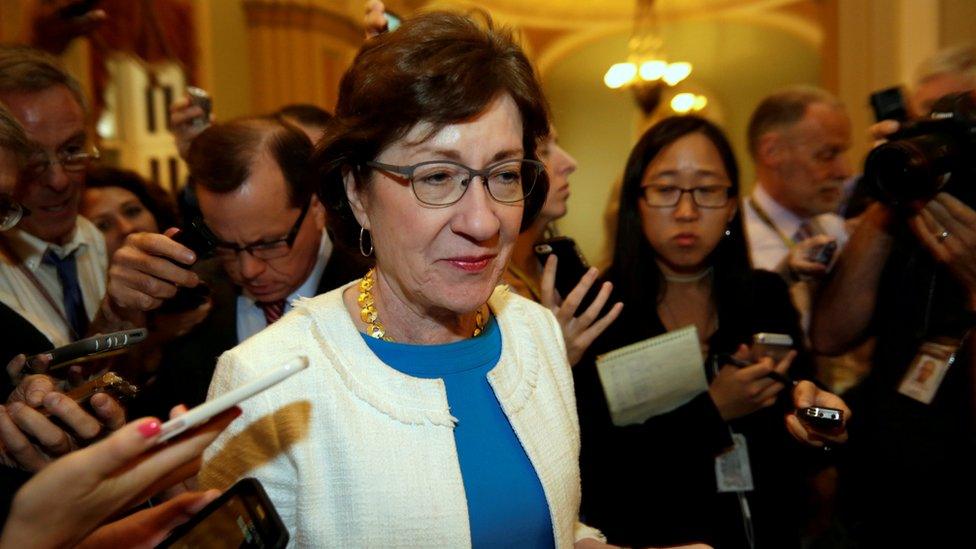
(912, 170)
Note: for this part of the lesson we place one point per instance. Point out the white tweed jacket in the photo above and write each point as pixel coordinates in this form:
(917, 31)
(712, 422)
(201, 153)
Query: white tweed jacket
(356, 454)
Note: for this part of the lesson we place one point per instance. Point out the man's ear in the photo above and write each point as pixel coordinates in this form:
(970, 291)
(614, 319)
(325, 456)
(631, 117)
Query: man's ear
(357, 199)
(317, 210)
(770, 148)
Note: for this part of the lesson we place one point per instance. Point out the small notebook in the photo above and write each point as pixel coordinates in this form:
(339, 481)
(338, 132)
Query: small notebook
(653, 376)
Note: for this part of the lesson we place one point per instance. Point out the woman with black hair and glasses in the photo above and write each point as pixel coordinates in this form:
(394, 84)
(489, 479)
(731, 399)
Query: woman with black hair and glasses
(680, 259)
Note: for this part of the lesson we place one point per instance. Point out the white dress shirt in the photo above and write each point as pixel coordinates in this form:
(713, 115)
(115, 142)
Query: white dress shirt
(250, 317)
(766, 246)
(20, 294)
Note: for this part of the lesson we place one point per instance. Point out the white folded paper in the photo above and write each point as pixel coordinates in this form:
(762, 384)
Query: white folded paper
(653, 376)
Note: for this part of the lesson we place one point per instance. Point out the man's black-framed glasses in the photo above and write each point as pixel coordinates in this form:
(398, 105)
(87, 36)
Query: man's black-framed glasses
(442, 182)
(71, 161)
(265, 250)
(668, 196)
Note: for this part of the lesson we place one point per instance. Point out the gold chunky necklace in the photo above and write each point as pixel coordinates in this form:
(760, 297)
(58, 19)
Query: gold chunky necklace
(370, 317)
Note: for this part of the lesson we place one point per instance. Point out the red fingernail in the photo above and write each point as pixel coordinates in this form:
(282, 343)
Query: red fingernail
(150, 428)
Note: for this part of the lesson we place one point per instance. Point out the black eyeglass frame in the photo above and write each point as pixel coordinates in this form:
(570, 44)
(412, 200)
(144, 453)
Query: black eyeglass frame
(408, 171)
(694, 196)
(219, 245)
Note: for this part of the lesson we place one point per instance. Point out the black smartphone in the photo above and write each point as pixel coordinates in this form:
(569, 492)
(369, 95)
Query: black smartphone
(243, 516)
(824, 254)
(821, 418)
(88, 347)
(187, 299)
(570, 268)
(77, 9)
(889, 104)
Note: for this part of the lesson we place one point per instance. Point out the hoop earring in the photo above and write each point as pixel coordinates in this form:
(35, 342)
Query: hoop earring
(362, 249)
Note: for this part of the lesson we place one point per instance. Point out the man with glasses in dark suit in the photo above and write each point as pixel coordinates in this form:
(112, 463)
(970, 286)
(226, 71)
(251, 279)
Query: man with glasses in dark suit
(266, 231)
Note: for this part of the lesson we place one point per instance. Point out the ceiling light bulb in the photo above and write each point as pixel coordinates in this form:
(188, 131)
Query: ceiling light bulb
(700, 103)
(676, 72)
(620, 75)
(653, 70)
(683, 103)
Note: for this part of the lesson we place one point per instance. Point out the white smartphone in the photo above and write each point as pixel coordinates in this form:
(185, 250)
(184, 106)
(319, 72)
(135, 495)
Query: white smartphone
(209, 409)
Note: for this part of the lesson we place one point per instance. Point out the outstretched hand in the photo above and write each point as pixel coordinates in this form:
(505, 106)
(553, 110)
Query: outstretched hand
(579, 332)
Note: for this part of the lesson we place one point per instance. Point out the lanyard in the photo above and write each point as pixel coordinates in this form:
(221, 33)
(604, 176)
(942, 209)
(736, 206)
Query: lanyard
(8, 250)
(764, 217)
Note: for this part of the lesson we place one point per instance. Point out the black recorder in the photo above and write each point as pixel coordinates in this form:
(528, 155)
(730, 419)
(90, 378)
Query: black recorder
(822, 419)
(187, 299)
(87, 348)
(243, 516)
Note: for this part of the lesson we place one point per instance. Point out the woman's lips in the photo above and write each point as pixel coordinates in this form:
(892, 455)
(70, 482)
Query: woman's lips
(471, 264)
(686, 239)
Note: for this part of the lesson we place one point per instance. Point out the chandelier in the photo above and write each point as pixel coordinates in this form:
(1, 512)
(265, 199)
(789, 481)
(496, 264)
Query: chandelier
(647, 70)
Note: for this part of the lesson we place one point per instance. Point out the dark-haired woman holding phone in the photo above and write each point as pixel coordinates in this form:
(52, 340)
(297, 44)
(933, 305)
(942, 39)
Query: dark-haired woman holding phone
(680, 259)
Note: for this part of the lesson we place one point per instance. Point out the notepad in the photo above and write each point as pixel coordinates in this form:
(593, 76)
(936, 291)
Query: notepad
(653, 376)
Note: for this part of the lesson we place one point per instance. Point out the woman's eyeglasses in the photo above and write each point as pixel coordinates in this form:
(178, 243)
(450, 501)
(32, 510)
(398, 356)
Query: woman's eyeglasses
(668, 196)
(442, 182)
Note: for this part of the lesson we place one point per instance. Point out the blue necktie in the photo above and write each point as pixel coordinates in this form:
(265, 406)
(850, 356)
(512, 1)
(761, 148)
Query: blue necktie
(74, 302)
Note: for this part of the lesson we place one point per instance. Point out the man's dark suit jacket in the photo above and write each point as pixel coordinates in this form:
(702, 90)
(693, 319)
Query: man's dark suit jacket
(188, 362)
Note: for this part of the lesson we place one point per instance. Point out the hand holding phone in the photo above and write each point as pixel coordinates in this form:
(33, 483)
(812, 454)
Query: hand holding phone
(209, 409)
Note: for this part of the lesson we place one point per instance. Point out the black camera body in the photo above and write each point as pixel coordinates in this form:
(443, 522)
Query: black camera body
(928, 156)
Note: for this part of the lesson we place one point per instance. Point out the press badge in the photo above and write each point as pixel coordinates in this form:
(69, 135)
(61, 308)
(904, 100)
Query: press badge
(928, 369)
(732, 471)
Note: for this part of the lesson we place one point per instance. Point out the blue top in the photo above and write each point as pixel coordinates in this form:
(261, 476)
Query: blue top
(506, 504)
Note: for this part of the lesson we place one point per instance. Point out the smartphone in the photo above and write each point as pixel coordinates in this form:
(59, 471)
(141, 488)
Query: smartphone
(570, 268)
(83, 348)
(821, 418)
(243, 516)
(824, 254)
(200, 98)
(889, 104)
(207, 410)
(775, 346)
(187, 299)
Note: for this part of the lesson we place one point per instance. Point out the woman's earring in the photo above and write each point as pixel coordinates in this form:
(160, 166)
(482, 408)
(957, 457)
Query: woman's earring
(362, 249)
(728, 232)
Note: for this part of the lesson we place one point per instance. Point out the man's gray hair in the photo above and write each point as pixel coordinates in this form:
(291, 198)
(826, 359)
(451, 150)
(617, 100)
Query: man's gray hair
(25, 69)
(959, 59)
(785, 108)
